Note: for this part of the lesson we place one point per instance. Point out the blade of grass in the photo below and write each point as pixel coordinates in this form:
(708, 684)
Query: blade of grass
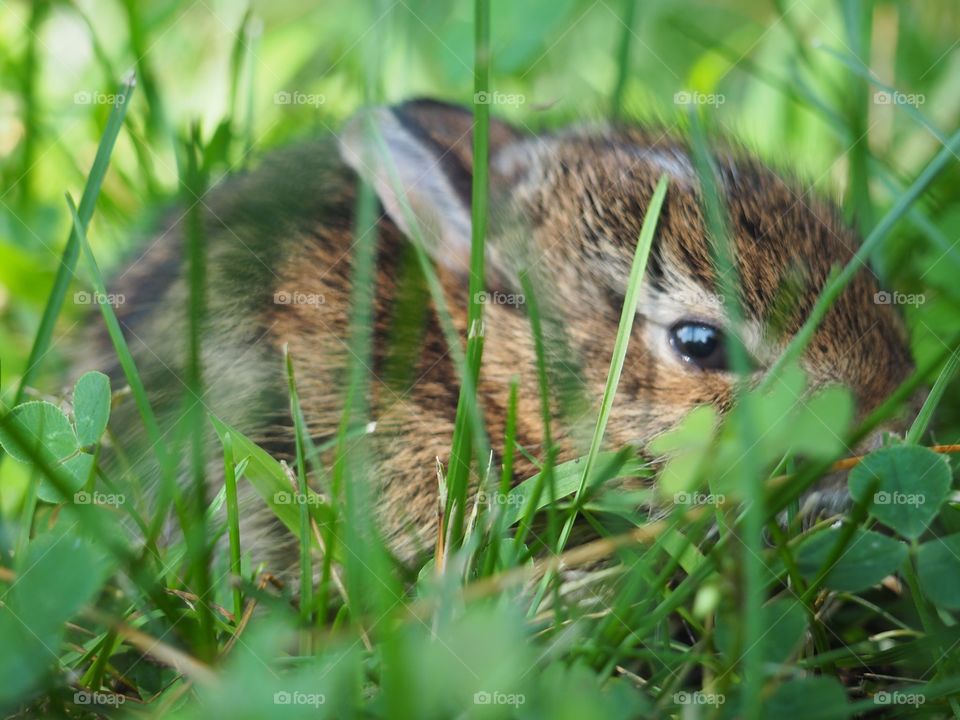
(238, 57)
(546, 477)
(268, 477)
(627, 316)
(29, 75)
(922, 421)
(68, 261)
(28, 511)
(140, 48)
(194, 184)
(450, 334)
(353, 480)
(119, 342)
(722, 252)
(623, 58)
(458, 477)
(506, 480)
(856, 20)
(168, 490)
(306, 567)
(233, 524)
(153, 188)
(627, 614)
(242, 69)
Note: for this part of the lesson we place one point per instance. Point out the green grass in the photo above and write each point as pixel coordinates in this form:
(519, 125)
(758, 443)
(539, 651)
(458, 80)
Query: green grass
(71, 252)
(717, 611)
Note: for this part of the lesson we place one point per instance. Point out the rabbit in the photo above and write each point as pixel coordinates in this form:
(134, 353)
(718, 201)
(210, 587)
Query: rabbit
(565, 206)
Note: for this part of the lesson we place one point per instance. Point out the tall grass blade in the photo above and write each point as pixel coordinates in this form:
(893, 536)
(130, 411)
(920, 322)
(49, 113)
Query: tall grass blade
(932, 401)
(623, 57)
(233, 524)
(306, 559)
(127, 364)
(68, 262)
(461, 455)
(722, 252)
(627, 316)
(194, 184)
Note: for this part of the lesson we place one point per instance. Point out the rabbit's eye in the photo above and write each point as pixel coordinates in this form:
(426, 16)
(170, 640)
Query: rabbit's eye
(699, 344)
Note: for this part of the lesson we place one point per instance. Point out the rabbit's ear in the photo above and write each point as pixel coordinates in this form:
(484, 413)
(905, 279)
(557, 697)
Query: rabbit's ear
(418, 157)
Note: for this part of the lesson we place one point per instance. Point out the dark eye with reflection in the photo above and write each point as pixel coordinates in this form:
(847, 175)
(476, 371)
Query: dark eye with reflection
(700, 345)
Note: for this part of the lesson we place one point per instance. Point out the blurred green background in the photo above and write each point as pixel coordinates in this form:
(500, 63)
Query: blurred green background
(787, 79)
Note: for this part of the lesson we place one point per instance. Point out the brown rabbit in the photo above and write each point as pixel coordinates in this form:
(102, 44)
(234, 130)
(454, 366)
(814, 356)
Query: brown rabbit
(567, 206)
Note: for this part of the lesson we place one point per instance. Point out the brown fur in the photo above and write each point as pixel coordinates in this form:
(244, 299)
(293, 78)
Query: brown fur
(569, 207)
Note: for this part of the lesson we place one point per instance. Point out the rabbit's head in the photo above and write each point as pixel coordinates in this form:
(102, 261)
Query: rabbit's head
(567, 209)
